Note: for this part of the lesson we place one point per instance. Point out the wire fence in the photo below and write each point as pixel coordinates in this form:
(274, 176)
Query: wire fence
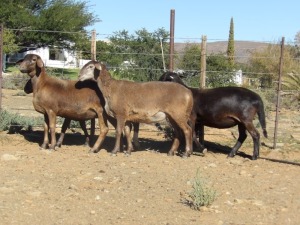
(243, 51)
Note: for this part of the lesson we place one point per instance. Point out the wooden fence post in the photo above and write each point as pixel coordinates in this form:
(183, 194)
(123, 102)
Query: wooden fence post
(278, 92)
(203, 62)
(1, 63)
(172, 23)
(93, 45)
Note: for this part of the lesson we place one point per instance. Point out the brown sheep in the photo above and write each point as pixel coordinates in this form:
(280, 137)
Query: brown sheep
(146, 102)
(28, 90)
(69, 99)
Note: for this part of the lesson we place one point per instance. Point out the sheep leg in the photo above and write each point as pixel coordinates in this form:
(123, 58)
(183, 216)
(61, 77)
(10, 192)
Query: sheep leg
(201, 134)
(256, 139)
(242, 137)
(176, 142)
(83, 127)
(63, 131)
(199, 144)
(52, 125)
(103, 131)
(92, 129)
(187, 130)
(45, 143)
(127, 134)
(119, 129)
(135, 139)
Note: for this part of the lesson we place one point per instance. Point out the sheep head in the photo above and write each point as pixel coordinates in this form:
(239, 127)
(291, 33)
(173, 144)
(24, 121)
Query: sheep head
(90, 71)
(32, 64)
(172, 77)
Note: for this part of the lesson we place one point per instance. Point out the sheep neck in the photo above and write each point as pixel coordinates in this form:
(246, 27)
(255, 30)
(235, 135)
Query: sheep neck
(105, 80)
(106, 85)
(37, 80)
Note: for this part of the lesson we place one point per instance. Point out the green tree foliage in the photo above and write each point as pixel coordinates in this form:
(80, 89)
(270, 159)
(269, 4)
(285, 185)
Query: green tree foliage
(141, 50)
(28, 17)
(264, 64)
(291, 82)
(219, 71)
(122, 44)
(230, 47)
(9, 42)
(190, 60)
(297, 44)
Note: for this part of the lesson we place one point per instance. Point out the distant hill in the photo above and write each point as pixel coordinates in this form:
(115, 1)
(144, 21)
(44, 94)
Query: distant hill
(242, 48)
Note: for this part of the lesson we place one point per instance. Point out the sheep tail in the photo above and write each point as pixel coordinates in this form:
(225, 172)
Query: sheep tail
(262, 118)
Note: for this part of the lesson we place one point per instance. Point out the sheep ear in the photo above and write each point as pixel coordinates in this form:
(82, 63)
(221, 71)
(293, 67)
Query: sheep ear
(40, 63)
(98, 66)
(97, 70)
(19, 61)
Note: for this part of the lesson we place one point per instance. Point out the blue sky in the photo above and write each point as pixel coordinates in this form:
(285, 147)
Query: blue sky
(255, 20)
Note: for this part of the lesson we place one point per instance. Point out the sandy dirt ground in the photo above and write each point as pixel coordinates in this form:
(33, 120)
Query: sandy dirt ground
(72, 186)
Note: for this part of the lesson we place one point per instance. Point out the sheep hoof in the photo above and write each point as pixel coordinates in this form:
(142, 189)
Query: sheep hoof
(43, 147)
(127, 154)
(51, 149)
(185, 155)
(136, 146)
(230, 155)
(204, 151)
(113, 154)
(94, 150)
(254, 157)
(58, 145)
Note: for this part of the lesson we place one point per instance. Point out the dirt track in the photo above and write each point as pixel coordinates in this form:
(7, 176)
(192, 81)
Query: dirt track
(71, 186)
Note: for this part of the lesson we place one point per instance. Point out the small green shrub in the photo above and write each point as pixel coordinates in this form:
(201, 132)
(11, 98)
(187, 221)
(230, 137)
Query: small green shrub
(15, 80)
(14, 123)
(201, 194)
(20, 93)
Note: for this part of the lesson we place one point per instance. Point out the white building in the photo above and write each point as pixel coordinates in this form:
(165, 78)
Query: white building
(238, 78)
(60, 58)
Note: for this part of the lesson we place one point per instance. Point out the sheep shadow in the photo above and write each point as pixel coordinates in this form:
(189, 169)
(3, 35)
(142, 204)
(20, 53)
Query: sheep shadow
(70, 139)
(77, 139)
(146, 144)
(218, 148)
(152, 145)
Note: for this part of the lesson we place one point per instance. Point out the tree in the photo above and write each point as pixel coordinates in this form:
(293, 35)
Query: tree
(230, 47)
(9, 45)
(264, 64)
(297, 44)
(219, 71)
(190, 61)
(35, 22)
(292, 82)
(142, 51)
